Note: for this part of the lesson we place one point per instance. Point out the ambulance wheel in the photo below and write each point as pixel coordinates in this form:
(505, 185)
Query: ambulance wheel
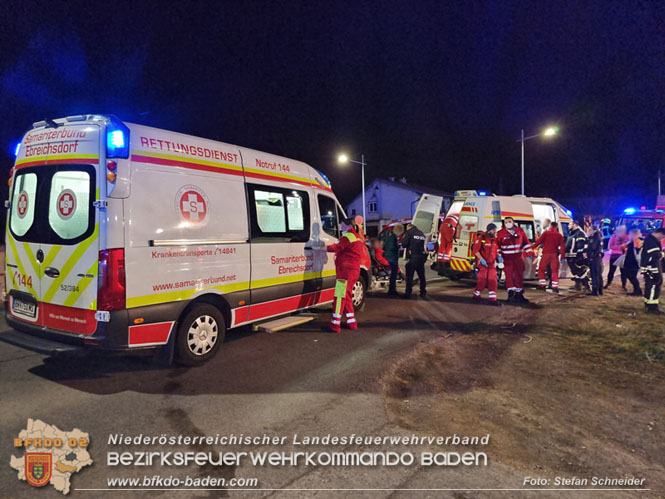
(200, 333)
(359, 293)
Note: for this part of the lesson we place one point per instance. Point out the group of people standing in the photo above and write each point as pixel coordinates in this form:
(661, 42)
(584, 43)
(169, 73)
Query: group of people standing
(508, 248)
(583, 251)
(349, 251)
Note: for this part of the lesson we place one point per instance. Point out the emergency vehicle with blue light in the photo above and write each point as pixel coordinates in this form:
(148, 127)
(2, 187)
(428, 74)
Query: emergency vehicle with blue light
(126, 237)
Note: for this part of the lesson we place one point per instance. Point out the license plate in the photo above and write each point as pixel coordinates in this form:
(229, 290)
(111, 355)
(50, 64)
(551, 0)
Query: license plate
(24, 308)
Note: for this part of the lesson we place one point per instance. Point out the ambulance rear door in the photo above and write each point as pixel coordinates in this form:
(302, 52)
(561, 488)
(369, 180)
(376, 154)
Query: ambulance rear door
(54, 228)
(426, 216)
(470, 222)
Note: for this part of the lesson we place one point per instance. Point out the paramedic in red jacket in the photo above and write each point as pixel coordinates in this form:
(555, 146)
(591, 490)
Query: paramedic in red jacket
(349, 252)
(554, 249)
(485, 250)
(447, 238)
(513, 245)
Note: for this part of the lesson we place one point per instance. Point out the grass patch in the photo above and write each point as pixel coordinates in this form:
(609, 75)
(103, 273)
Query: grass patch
(612, 327)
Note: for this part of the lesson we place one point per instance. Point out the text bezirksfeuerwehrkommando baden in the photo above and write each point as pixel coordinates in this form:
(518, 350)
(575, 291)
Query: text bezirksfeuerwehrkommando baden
(385, 451)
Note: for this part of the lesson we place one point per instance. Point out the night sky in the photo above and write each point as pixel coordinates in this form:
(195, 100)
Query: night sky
(434, 91)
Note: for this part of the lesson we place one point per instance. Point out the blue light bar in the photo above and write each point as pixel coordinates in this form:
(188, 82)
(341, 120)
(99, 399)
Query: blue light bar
(17, 149)
(324, 177)
(482, 193)
(117, 138)
(569, 213)
(629, 211)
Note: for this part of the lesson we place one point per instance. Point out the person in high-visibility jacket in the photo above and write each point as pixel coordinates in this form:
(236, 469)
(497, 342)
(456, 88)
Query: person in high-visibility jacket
(651, 266)
(513, 245)
(349, 252)
(554, 249)
(485, 250)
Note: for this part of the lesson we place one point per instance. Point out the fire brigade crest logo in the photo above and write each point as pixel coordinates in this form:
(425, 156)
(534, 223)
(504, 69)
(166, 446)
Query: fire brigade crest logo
(192, 204)
(50, 456)
(38, 468)
(22, 204)
(66, 204)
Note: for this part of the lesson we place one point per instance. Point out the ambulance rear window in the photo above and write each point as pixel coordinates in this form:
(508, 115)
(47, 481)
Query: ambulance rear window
(52, 204)
(23, 203)
(527, 227)
(68, 204)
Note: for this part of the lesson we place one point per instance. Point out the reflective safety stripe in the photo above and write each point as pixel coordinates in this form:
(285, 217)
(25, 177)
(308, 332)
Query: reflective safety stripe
(69, 264)
(350, 314)
(351, 237)
(652, 250)
(476, 293)
(32, 260)
(83, 283)
(337, 316)
(271, 281)
(512, 252)
(519, 290)
(21, 268)
(336, 323)
(350, 321)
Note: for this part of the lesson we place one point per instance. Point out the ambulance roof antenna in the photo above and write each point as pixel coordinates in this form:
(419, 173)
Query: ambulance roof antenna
(50, 123)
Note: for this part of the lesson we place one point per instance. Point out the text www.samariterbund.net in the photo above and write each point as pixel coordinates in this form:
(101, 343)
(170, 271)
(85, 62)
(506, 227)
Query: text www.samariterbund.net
(158, 481)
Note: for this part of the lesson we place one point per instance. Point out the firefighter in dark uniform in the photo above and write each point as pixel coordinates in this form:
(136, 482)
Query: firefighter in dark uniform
(414, 242)
(576, 256)
(651, 266)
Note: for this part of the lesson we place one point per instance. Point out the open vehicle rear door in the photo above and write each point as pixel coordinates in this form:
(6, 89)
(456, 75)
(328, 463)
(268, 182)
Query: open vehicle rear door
(426, 217)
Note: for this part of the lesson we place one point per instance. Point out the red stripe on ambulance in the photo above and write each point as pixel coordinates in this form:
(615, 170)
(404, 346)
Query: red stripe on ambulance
(282, 306)
(150, 334)
(70, 319)
(185, 164)
(71, 161)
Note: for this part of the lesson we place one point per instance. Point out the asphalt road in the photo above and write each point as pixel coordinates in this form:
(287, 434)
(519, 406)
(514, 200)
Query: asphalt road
(298, 381)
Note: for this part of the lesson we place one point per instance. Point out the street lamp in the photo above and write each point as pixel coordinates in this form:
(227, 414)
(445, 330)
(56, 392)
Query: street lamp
(343, 158)
(548, 132)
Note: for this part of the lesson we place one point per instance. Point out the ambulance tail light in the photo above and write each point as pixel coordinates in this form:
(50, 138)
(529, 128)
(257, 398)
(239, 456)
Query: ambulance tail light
(111, 294)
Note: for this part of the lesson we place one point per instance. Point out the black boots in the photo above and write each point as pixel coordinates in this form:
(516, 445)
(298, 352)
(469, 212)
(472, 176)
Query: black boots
(653, 309)
(517, 297)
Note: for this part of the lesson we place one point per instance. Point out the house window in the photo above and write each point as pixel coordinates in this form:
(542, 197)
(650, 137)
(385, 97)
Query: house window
(373, 208)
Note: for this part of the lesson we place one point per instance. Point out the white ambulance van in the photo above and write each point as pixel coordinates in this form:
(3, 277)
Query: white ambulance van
(477, 209)
(123, 237)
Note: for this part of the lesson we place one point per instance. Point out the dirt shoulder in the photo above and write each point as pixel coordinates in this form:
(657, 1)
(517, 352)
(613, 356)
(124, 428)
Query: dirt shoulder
(573, 386)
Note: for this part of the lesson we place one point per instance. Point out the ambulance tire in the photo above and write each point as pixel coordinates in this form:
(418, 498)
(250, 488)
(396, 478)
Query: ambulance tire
(359, 293)
(200, 333)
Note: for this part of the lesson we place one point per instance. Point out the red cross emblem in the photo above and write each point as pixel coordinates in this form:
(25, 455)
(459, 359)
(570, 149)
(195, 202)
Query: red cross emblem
(192, 206)
(66, 204)
(22, 205)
